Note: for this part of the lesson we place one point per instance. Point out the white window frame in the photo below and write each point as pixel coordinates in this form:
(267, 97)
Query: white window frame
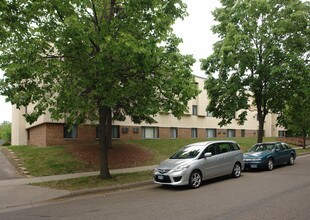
(150, 133)
(173, 133)
(209, 131)
(194, 133)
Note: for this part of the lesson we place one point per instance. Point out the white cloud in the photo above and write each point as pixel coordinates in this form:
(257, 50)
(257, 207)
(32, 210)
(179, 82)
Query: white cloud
(195, 30)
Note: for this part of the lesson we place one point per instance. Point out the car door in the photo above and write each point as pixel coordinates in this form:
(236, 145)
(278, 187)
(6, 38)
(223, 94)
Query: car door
(280, 154)
(227, 158)
(211, 166)
(286, 153)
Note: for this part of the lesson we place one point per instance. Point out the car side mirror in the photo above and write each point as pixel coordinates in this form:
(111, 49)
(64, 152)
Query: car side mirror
(208, 154)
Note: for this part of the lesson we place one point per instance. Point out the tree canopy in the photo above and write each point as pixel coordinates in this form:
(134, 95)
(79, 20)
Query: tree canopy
(5, 131)
(95, 60)
(263, 48)
(296, 115)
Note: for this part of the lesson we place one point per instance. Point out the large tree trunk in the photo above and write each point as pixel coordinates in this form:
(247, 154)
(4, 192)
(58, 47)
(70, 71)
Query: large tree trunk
(105, 139)
(261, 122)
(260, 134)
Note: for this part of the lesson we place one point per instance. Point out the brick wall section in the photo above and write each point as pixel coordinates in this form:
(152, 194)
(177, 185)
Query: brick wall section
(184, 133)
(164, 133)
(130, 135)
(53, 134)
(221, 133)
(251, 133)
(201, 133)
(37, 135)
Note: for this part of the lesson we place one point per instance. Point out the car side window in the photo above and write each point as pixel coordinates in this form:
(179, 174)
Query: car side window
(285, 147)
(224, 147)
(211, 149)
(279, 147)
(234, 146)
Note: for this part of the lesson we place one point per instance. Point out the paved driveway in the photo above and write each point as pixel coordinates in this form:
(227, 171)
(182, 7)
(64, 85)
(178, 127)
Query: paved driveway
(7, 171)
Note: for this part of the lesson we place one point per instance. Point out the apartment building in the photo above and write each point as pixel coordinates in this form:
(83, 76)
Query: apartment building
(196, 123)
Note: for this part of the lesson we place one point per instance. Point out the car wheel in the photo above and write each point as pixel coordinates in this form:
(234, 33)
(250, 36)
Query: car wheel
(270, 164)
(291, 160)
(236, 171)
(195, 179)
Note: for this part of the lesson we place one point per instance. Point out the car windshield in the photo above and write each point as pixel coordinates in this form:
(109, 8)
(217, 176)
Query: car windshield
(187, 152)
(261, 147)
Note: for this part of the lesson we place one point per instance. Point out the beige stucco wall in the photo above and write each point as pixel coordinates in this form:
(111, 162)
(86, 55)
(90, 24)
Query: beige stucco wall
(200, 121)
(19, 132)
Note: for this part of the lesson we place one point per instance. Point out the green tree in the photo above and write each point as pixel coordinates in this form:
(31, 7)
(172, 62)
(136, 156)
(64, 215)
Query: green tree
(95, 60)
(5, 131)
(296, 115)
(263, 46)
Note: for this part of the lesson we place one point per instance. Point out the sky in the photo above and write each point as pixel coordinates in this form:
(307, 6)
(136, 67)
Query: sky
(195, 30)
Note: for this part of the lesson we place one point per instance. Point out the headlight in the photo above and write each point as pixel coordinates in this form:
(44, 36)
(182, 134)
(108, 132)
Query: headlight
(180, 168)
(252, 159)
(257, 159)
(155, 169)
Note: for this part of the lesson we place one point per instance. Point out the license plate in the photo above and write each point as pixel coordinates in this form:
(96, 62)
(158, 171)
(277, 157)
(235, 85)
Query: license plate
(160, 177)
(253, 166)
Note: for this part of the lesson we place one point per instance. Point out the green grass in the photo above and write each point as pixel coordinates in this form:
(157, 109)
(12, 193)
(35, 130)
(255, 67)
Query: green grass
(96, 182)
(48, 160)
(301, 151)
(58, 160)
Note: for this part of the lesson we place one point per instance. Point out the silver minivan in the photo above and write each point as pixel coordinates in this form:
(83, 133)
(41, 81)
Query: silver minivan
(200, 161)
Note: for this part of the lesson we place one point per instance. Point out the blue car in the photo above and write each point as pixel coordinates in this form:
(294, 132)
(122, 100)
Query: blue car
(267, 155)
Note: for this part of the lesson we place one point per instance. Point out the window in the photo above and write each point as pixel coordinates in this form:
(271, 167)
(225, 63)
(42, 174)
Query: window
(115, 131)
(231, 133)
(194, 110)
(135, 130)
(149, 132)
(209, 114)
(242, 133)
(70, 131)
(125, 129)
(224, 147)
(211, 149)
(194, 133)
(285, 147)
(173, 132)
(234, 146)
(211, 133)
(281, 133)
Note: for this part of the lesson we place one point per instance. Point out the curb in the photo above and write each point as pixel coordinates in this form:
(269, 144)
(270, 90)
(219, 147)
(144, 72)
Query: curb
(105, 189)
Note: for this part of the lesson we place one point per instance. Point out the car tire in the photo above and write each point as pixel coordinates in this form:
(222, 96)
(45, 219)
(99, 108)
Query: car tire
(236, 173)
(195, 179)
(270, 164)
(291, 160)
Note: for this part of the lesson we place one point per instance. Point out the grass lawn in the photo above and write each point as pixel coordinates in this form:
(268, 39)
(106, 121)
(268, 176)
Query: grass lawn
(58, 160)
(47, 161)
(96, 182)
(162, 149)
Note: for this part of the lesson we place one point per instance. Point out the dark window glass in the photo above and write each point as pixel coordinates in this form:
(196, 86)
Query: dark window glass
(70, 131)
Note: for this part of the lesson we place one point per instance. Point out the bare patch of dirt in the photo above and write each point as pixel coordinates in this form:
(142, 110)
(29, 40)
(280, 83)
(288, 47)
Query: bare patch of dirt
(119, 156)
